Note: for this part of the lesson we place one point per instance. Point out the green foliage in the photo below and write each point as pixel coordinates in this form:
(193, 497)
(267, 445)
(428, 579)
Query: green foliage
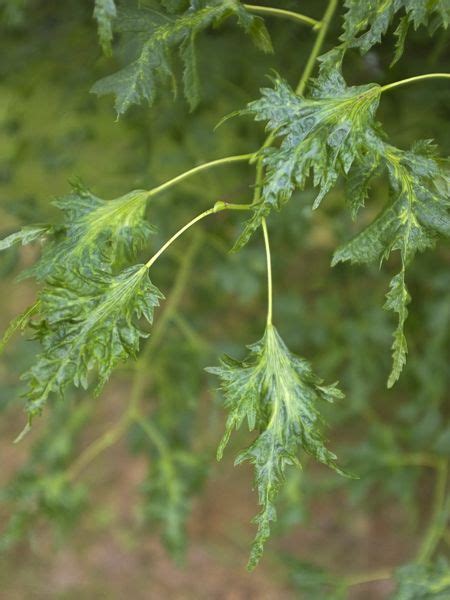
(423, 582)
(88, 324)
(19, 323)
(416, 215)
(93, 299)
(334, 133)
(105, 12)
(365, 23)
(96, 231)
(322, 136)
(93, 231)
(158, 35)
(277, 393)
(86, 311)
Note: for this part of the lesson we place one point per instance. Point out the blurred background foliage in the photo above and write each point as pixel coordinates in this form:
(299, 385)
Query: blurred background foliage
(91, 527)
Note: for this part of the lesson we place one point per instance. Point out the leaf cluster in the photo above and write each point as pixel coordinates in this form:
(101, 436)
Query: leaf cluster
(86, 313)
(158, 35)
(332, 133)
(365, 23)
(416, 215)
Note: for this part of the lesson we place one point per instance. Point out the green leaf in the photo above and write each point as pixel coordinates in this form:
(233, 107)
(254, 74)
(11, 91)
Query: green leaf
(277, 393)
(27, 235)
(88, 325)
(95, 230)
(105, 12)
(365, 23)
(411, 222)
(190, 73)
(423, 582)
(397, 300)
(157, 35)
(400, 33)
(322, 136)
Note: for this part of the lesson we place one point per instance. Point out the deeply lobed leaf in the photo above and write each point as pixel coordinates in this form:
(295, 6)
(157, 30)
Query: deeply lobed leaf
(94, 230)
(84, 315)
(277, 393)
(366, 22)
(397, 300)
(419, 212)
(158, 35)
(87, 325)
(322, 136)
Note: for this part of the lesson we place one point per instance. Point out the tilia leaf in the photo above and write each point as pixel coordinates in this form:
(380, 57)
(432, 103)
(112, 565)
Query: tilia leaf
(98, 231)
(365, 23)
(419, 211)
(322, 135)
(158, 35)
(277, 393)
(88, 325)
